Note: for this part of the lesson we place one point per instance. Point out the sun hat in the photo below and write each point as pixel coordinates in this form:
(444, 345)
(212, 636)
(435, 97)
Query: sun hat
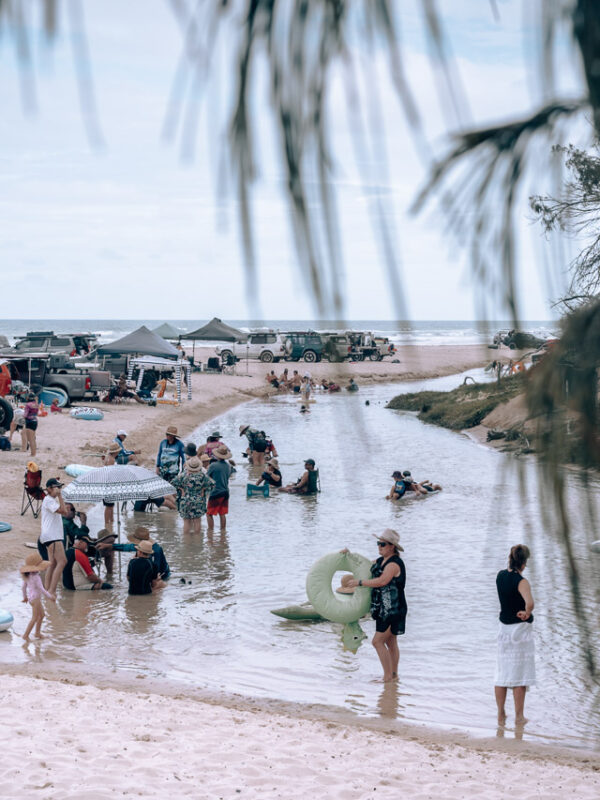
(273, 462)
(140, 534)
(243, 428)
(215, 435)
(222, 453)
(113, 449)
(144, 547)
(191, 449)
(32, 467)
(122, 433)
(193, 465)
(309, 461)
(34, 563)
(172, 431)
(205, 458)
(390, 536)
(344, 588)
(103, 535)
(52, 482)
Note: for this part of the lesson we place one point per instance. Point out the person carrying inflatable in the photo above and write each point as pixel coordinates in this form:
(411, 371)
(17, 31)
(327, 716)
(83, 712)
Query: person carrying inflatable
(388, 601)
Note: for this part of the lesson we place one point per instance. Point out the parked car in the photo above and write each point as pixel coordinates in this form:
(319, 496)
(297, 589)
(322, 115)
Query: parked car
(50, 342)
(267, 346)
(336, 346)
(365, 345)
(38, 371)
(520, 340)
(303, 344)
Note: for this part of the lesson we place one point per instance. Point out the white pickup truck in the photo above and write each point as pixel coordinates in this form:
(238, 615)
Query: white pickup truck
(266, 346)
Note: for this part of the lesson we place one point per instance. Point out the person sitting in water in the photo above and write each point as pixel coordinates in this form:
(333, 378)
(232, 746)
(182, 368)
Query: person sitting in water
(398, 490)
(125, 456)
(271, 475)
(304, 410)
(271, 378)
(308, 483)
(78, 574)
(142, 574)
(158, 557)
(334, 387)
(352, 386)
(295, 382)
(284, 379)
(412, 485)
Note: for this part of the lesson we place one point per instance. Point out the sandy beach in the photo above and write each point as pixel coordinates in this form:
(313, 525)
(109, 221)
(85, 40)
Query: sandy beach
(138, 738)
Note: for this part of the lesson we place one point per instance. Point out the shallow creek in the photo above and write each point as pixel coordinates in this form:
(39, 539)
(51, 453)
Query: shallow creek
(212, 628)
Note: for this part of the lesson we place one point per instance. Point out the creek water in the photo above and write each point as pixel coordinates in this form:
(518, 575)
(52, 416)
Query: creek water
(212, 627)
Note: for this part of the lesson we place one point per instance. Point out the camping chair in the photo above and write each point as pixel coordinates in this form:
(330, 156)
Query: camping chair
(33, 494)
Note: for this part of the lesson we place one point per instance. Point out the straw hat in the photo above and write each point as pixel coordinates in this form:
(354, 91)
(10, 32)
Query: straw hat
(389, 536)
(344, 588)
(205, 458)
(222, 453)
(114, 449)
(243, 428)
(32, 467)
(103, 535)
(172, 431)
(273, 462)
(144, 547)
(34, 563)
(140, 534)
(193, 465)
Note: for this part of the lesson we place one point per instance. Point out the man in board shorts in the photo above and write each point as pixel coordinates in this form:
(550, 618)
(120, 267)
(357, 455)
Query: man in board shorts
(218, 501)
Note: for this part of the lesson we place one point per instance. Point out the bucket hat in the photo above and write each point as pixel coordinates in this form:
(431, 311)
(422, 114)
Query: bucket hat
(222, 453)
(193, 465)
(140, 534)
(144, 547)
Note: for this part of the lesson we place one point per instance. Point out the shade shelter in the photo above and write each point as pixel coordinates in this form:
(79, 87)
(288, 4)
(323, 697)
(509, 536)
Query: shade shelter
(167, 331)
(142, 342)
(147, 362)
(216, 331)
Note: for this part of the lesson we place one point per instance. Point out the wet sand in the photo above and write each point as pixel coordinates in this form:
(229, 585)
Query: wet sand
(177, 742)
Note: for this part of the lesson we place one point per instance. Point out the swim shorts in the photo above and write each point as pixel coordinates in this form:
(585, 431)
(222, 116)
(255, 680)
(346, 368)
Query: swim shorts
(31, 424)
(396, 623)
(218, 506)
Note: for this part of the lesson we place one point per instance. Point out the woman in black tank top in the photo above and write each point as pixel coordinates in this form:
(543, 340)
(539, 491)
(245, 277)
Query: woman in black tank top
(388, 602)
(516, 655)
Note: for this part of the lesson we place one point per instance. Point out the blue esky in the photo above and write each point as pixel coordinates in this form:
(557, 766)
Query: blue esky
(134, 229)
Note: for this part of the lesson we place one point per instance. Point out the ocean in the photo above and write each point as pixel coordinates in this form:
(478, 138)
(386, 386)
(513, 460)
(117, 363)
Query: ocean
(419, 332)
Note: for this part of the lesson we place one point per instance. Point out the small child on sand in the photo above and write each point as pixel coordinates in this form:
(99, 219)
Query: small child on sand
(33, 589)
(55, 408)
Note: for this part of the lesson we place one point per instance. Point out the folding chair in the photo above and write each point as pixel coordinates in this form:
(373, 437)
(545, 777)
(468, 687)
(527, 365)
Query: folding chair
(33, 494)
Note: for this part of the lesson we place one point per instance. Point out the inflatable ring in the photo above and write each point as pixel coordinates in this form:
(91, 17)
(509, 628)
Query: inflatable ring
(324, 599)
(4, 527)
(87, 413)
(595, 546)
(304, 612)
(6, 619)
(75, 470)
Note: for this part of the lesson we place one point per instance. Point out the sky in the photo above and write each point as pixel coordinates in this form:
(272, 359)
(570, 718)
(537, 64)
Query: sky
(140, 226)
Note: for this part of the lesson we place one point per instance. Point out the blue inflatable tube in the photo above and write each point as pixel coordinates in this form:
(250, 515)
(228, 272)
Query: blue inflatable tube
(6, 619)
(4, 526)
(87, 413)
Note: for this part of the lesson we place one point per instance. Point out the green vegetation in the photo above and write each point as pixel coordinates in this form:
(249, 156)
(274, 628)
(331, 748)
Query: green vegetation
(464, 407)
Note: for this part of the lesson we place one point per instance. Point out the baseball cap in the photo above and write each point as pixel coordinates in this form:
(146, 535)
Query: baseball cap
(122, 433)
(52, 482)
(309, 461)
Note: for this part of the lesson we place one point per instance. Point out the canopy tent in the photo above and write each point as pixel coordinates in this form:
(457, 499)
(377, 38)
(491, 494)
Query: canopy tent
(167, 331)
(140, 342)
(216, 331)
(147, 362)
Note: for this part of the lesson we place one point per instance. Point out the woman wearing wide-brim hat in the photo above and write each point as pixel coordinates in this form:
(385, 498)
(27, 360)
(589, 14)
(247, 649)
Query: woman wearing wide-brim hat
(219, 472)
(194, 486)
(388, 601)
(33, 589)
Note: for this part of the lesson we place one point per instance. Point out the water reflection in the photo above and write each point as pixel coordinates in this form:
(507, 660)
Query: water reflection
(212, 625)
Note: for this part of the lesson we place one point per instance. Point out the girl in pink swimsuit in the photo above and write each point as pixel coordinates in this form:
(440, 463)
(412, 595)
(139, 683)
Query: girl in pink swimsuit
(33, 589)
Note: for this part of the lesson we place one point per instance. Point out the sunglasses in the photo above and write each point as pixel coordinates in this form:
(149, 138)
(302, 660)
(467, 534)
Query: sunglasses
(382, 544)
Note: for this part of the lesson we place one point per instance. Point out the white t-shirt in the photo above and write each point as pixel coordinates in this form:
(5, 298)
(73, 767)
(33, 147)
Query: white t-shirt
(52, 527)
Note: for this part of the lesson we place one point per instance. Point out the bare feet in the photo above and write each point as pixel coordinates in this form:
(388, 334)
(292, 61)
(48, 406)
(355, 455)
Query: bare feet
(502, 718)
(521, 720)
(40, 636)
(26, 639)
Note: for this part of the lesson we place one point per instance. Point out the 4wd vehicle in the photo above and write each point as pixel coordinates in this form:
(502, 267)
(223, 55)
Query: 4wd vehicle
(365, 345)
(267, 346)
(303, 344)
(37, 370)
(50, 342)
(518, 340)
(336, 346)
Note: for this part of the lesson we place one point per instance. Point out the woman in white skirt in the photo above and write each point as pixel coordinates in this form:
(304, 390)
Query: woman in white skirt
(515, 667)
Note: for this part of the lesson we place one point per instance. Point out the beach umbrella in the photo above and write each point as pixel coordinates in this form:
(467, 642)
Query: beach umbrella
(115, 484)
